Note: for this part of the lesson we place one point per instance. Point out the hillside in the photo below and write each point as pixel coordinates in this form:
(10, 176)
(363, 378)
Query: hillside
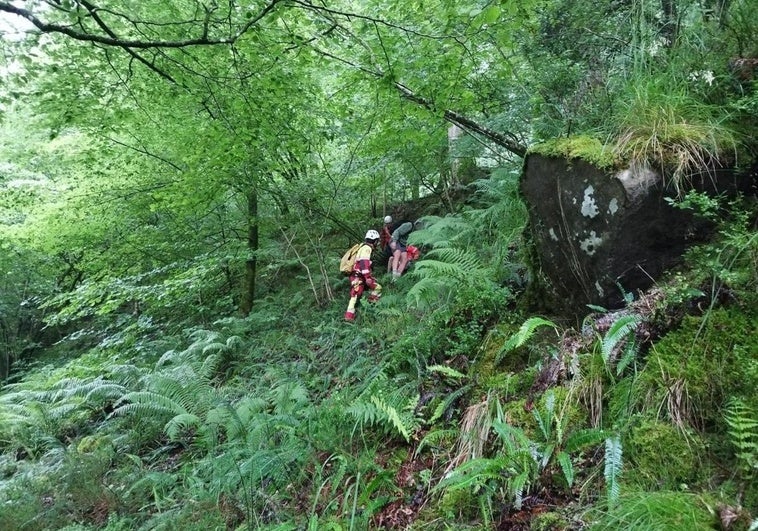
(431, 412)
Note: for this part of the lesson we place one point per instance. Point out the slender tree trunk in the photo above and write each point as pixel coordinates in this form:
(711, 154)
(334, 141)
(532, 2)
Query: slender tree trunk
(248, 293)
(669, 24)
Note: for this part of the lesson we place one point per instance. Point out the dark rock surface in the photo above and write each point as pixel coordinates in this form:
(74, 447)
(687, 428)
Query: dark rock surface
(600, 234)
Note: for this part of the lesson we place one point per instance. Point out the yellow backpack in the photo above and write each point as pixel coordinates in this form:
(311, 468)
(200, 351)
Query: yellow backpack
(348, 259)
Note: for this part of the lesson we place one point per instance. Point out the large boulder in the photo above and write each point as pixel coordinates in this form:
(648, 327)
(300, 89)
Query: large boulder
(600, 234)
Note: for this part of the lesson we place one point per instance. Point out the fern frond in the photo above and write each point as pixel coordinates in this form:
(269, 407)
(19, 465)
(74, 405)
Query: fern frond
(517, 487)
(447, 402)
(437, 269)
(125, 374)
(613, 467)
(742, 423)
(437, 438)
(147, 403)
(439, 231)
(473, 473)
(393, 416)
(564, 460)
(428, 291)
(525, 332)
(619, 331)
(388, 402)
(289, 396)
(512, 439)
(584, 438)
(181, 424)
(447, 371)
(62, 410)
(464, 261)
(209, 366)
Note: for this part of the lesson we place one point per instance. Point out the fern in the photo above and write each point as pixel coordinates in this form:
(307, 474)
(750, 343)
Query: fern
(179, 393)
(447, 371)
(393, 416)
(618, 332)
(387, 402)
(564, 461)
(147, 404)
(181, 424)
(525, 332)
(441, 274)
(584, 438)
(742, 423)
(437, 438)
(427, 292)
(612, 470)
(447, 402)
(474, 474)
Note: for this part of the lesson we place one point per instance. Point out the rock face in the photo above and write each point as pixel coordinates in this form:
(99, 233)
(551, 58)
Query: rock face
(599, 235)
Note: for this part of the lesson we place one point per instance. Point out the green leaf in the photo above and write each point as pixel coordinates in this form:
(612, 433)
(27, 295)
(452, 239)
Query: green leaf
(491, 14)
(564, 460)
(617, 333)
(524, 333)
(447, 371)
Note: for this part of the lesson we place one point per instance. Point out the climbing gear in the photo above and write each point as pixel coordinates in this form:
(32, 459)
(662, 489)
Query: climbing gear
(388, 219)
(372, 235)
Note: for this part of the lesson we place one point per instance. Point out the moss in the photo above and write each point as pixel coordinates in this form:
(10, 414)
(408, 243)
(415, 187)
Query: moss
(459, 504)
(550, 521)
(579, 147)
(659, 456)
(517, 413)
(691, 372)
(511, 375)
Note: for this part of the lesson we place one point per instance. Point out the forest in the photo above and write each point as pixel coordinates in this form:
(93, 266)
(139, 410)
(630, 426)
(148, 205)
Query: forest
(180, 178)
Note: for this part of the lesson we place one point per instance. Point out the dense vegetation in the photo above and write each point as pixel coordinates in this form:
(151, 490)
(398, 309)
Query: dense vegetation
(180, 178)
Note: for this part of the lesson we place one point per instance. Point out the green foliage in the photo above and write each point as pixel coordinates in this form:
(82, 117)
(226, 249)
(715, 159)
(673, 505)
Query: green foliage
(557, 440)
(524, 334)
(661, 457)
(719, 364)
(135, 211)
(459, 322)
(742, 423)
(182, 396)
(660, 511)
(387, 402)
(675, 132)
(729, 262)
(613, 469)
(520, 462)
(581, 147)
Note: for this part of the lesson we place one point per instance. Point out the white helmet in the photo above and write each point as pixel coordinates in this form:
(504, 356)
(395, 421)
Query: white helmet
(388, 219)
(372, 235)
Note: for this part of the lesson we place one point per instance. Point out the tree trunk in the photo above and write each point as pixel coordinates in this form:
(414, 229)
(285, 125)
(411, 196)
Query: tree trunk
(669, 23)
(248, 294)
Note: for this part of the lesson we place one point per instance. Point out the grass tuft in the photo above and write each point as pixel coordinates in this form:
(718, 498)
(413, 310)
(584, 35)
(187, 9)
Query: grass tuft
(670, 129)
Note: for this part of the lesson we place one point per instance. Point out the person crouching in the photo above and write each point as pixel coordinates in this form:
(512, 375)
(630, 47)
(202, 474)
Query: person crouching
(361, 277)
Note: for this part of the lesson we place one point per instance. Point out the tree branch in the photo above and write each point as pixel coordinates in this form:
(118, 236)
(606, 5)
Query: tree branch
(112, 39)
(505, 140)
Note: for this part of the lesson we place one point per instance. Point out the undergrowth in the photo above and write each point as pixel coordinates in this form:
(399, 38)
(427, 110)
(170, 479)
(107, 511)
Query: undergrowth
(433, 406)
